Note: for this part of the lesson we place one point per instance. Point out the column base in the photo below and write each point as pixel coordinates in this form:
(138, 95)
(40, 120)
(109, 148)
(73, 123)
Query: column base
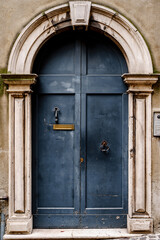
(139, 225)
(20, 226)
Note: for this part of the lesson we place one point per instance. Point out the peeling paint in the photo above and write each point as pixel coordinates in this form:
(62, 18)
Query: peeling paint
(66, 85)
(54, 84)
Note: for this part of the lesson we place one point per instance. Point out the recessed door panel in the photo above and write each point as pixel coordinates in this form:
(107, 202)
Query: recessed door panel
(108, 59)
(63, 61)
(80, 163)
(55, 152)
(102, 84)
(104, 164)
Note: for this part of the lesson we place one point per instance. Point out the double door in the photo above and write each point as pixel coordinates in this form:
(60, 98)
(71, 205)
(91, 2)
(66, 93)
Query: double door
(80, 134)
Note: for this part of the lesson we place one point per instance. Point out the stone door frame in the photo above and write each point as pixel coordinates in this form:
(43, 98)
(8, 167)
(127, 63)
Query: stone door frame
(139, 80)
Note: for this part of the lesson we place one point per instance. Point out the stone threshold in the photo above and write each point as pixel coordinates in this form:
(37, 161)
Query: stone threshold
(73, 234)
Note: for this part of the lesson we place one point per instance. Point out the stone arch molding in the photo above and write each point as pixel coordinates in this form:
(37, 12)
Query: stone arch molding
(56, 19)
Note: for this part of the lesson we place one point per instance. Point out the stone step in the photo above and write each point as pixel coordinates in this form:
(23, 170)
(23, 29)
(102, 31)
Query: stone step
(82, 234)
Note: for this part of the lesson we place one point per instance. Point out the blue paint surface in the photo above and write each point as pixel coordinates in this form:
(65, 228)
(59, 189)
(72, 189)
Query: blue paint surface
(80, 73)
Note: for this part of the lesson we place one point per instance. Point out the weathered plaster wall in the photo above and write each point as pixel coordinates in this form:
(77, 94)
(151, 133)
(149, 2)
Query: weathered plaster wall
(144, 14)
(156, 163)
(3, 148)
(16, 14)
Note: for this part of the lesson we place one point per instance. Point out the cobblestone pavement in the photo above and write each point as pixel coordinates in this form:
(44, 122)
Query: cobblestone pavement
(143, 237)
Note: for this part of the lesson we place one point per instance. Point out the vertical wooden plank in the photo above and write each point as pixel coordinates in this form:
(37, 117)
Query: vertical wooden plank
(77, 155)
(125, 151)
(83, 152)
(140, 155)
(83, 110)
(19, 155)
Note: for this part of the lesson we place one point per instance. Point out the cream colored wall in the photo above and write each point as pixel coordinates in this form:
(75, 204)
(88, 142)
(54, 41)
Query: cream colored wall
(156, 163)
(16, 14)
(144, 14)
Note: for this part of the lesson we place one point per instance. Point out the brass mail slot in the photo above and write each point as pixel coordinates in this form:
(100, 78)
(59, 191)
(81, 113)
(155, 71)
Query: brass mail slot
(68, 127)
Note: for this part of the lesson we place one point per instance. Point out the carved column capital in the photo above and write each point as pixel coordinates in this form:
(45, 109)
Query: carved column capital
(19, 83)
(140, 82)
(20, 217)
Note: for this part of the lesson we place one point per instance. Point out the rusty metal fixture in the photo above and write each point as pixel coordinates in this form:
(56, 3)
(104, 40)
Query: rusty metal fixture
(104, 147)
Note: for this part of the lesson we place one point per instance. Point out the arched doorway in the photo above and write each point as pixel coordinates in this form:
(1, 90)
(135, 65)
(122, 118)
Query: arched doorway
(80, 133)
(139, 81)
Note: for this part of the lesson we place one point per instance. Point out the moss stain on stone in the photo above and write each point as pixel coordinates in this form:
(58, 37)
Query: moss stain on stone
(2, 70)
(155, 70)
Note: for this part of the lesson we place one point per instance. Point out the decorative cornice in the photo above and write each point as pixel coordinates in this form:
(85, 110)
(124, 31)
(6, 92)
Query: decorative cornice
(19, 79)
(19, 83)
(140, 82)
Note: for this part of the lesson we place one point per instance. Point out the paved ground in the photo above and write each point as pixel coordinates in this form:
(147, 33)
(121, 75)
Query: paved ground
(81, 234)
(144, 237)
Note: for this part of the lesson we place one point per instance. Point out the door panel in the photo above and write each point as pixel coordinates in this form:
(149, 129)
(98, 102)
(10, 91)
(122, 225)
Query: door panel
(64, 58)
(75, 184)
(108, 59)
(58, 84)
(102, 84)
(104, 169)
(55, 152)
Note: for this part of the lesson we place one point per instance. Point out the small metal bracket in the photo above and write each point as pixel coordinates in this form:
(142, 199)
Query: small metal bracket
(4, 198)
(81, 160)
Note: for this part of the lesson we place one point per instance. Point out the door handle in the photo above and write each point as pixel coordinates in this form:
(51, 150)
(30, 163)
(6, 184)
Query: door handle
(56, 110)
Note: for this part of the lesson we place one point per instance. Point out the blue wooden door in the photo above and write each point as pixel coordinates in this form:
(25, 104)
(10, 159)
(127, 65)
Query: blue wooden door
(80, 175)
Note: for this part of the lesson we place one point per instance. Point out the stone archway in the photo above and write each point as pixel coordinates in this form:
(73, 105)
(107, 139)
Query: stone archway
(139, 80)
(57, 19)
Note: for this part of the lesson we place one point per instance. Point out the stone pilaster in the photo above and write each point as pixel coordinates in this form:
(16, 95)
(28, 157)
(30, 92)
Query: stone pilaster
(139, 156)
(20, 218)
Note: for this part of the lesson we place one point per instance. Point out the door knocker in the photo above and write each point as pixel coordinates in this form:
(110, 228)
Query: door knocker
(56, 110)
(104, 147)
